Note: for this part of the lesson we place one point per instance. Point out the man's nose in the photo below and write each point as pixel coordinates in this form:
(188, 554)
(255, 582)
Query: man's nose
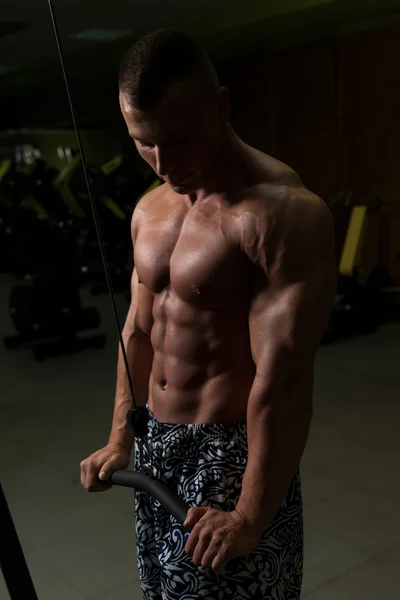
(165, 162)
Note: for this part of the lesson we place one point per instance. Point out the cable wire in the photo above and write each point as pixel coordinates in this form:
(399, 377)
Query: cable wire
(91, 198)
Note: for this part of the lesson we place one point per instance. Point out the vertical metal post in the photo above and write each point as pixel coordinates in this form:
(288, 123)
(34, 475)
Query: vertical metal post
(13, 564)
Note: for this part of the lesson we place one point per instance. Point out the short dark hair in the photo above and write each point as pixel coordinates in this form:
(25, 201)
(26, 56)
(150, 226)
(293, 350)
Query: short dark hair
(159, 59)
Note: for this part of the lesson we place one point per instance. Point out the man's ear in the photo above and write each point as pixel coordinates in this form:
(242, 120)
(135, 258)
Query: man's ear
(224, 103)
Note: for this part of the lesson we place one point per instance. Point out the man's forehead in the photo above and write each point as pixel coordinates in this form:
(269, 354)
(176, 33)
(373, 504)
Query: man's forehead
(179, 98)
(162, 122)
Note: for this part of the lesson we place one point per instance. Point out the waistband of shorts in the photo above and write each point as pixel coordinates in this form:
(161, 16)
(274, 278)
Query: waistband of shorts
(212, 429)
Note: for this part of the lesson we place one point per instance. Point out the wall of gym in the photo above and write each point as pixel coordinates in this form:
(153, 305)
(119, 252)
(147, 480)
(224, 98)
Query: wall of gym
(331, 110)
(328, 108)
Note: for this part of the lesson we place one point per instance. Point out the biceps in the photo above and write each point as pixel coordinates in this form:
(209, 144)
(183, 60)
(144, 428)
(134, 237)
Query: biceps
(140, 315)
(272, 345)
(286, 326)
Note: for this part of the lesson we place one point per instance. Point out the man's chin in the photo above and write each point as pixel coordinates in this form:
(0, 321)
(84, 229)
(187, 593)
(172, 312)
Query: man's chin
(182, 188)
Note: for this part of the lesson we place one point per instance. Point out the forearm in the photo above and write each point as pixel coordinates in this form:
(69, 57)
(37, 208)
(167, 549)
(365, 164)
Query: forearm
(139, 354)
(278, 422)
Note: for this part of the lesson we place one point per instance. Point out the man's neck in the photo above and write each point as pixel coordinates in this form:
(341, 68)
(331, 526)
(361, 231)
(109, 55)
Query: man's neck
(227, 172)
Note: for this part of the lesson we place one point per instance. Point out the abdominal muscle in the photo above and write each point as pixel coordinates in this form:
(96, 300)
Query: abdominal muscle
(202, 368)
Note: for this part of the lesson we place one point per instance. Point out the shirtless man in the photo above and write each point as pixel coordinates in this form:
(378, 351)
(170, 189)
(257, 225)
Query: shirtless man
(233, 284)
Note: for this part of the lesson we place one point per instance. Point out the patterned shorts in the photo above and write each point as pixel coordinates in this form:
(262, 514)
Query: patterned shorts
(204, 465)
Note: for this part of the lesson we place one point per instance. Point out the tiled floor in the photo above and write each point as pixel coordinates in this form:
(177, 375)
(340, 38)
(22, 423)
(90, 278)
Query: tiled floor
(81, 546)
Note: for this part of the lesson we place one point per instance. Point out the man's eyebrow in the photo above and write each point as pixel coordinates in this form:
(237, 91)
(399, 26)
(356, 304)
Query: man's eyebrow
(135, 137)
(171, 134)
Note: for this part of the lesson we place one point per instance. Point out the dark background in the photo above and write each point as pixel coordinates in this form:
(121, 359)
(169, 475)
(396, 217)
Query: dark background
(315, 83)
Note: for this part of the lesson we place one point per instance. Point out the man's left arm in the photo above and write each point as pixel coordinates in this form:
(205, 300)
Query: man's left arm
(294, 287)
(293, 295)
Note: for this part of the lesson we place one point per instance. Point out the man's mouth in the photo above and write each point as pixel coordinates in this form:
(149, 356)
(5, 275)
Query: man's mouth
(178, 181)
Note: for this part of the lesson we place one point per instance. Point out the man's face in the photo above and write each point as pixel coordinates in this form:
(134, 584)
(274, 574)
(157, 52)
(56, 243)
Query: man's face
(180, 138)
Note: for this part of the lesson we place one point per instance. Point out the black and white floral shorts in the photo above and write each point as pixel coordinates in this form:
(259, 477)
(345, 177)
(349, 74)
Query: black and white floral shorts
(204, 465)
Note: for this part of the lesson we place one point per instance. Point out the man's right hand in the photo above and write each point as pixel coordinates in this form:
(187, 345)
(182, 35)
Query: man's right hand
(106, 460)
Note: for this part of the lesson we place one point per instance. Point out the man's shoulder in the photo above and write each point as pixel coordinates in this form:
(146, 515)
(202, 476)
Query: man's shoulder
(277, 189)
(276, 213)
(282, 201)
(148, 204)
(151, 199)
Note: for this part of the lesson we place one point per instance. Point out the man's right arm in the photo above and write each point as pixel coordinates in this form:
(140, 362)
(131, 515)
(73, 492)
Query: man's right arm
(97, 468)
(139, 351)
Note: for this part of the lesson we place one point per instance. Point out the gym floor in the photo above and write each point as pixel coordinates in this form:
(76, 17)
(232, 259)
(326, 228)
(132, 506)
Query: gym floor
(81, 546)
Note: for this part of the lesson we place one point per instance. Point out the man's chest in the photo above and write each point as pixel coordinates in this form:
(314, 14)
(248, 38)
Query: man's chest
(196, 254)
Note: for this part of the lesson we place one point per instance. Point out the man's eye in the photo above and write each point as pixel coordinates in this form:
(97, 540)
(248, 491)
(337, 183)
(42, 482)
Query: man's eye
(145, 146)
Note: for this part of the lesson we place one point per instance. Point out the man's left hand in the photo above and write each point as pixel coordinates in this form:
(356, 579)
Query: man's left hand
(217, 537)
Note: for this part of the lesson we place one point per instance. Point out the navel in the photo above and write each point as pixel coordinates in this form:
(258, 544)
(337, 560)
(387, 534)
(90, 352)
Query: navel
(163, 384)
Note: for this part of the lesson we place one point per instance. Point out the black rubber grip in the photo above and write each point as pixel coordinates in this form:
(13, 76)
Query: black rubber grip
(156, 488)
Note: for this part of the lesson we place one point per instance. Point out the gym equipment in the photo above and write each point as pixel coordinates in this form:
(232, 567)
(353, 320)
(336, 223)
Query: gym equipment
(114, 188)
(60, 183)
(30, 205)
(12, 560)
(359, 302)
(158, 489)
(43, 248)
(46, 307)
(19, 212)
(43, 189)
(15, 570)
(14, 179)
(50, 330)
(137, 417)
(114, 218)
(6, 205)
